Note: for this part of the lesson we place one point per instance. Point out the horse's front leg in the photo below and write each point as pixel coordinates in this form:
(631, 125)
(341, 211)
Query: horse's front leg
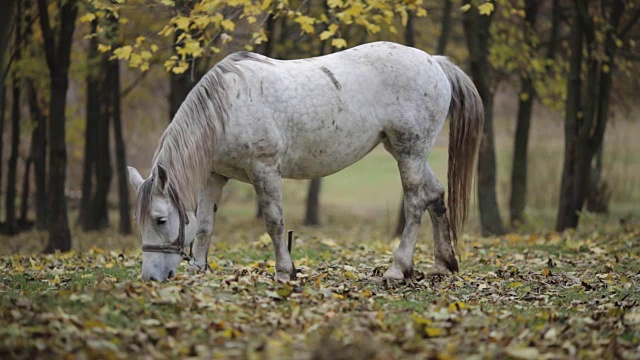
(208, 204)
(268, 186)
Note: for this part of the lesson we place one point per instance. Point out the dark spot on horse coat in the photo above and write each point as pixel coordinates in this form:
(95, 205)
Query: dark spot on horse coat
(215, 208)
(335, 81)
(437, 205)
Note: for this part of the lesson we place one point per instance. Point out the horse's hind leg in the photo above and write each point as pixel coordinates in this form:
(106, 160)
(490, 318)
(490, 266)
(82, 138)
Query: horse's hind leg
(267, 183)
(412, 173)
(208, 203)
(445, 262)
(421, 191)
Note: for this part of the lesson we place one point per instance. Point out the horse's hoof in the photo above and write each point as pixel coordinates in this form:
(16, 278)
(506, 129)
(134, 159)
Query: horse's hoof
(438, 270)
(195, 269)
(282, 276)
(393, 274)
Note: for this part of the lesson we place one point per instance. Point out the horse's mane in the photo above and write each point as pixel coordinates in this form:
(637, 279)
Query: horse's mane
(187, 146)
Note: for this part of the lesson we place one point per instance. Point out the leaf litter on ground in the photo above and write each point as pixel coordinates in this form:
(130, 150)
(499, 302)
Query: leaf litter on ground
(571, 295)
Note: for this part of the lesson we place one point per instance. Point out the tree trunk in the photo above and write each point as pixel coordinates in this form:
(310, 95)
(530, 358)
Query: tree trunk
(39, 146)
(3, 103)
(409, 31)
(93, 112)
(99, 218)
(58, 55)
(10, 200)
(476, 29)
(11, 225)
(121, 157)
(584, 134)
(445, 30)
(6, 15)
(567, 216)
(521, 143)
(312, 216)
(26, 189)
(181, 84)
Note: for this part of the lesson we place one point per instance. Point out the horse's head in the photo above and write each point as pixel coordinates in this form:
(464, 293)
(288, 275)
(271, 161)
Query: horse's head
(164, 225)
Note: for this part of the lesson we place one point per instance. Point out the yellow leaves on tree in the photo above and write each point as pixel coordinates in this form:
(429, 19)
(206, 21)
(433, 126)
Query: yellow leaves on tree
(339, 43)
(208, 25)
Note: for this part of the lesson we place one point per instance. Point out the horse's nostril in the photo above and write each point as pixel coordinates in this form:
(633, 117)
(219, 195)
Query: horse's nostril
(171, 274)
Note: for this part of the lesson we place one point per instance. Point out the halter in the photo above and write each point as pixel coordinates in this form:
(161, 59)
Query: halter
(177, 246)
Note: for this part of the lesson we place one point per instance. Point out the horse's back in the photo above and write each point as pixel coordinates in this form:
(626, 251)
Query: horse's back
(320, 115)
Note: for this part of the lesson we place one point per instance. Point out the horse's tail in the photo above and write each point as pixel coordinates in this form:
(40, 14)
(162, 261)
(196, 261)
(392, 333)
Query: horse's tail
(465, 131)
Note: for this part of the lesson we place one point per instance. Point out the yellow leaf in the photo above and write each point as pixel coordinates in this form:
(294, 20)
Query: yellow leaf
(421, 12)
(285, 291)
(458, 305)
(486, 8)
(154, 47)
(181, 22)
(88, 17)
(144, 66)
(122, 53)
(325, 35)
(56, 280)
(524, 96)
(248, 47)
(338, 296)
(465, 7)
(306, 23)
(266, 4)
(366, 293)
(123, 21)
(227, 24)
(251, 19)
(330, 242)
(432, 331)
(335, 3)
(104, 48)
(192, 47)
(140, 40)
(419, 320)
(168, 2)
(339, 43)
(606, 68)
(404, 18)
(181, 67)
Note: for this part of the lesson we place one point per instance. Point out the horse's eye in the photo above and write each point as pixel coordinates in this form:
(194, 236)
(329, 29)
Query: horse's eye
(161, 221)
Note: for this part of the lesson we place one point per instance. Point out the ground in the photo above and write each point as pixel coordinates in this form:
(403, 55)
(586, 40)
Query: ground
(532, 294)
(571, 295)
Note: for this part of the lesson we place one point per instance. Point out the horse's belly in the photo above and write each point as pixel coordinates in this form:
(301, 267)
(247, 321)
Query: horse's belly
(320, 156)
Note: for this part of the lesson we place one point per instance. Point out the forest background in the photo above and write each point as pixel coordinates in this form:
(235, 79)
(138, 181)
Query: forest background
(90, 86)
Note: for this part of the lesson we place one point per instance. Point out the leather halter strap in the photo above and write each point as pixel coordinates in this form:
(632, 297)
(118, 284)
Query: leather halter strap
(177, 246)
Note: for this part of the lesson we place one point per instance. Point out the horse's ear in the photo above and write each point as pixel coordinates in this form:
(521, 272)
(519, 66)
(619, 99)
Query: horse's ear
(162, 179)
(135, 177)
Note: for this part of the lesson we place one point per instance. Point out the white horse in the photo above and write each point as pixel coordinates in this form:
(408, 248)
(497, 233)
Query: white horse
(258, 120)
